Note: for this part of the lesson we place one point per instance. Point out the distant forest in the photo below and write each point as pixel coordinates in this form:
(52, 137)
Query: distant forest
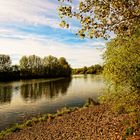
(94, 69)
(33, 67)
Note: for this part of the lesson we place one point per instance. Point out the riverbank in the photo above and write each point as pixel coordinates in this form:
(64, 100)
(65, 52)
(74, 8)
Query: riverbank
(87, 123)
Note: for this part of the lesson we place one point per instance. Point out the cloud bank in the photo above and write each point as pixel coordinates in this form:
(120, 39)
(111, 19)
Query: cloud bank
(32, 27)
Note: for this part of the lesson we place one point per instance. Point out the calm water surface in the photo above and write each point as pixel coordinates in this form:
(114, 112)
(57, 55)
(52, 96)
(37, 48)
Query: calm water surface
(27, 98)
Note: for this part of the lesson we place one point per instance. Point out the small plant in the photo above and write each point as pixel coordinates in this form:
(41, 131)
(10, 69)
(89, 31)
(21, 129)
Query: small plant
(129, 131)
(44, 117)
(63, 110)
(29, 123)
(90, 102)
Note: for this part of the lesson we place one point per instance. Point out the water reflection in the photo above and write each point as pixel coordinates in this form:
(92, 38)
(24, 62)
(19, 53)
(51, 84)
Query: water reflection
(50, 89)
(5, 94)
(34, 90)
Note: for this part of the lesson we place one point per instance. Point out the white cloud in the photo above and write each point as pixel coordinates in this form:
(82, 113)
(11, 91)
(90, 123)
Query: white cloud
(29, 12)
(85, 56)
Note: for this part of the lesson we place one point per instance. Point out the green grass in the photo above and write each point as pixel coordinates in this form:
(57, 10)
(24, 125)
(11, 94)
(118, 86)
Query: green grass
(33, 121)
(14, 128)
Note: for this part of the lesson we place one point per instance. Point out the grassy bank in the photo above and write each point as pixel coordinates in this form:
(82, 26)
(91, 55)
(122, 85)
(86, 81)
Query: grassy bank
(45, 117)
(33, 121)
(93, 119)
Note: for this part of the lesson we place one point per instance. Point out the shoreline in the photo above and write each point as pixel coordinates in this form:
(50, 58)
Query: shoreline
(44, 117)
(99, 116)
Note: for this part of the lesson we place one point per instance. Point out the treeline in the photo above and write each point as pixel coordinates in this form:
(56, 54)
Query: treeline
(95, 69)
(33, 67)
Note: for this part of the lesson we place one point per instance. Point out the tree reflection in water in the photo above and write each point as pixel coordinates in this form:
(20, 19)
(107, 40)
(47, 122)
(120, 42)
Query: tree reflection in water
(51, 89)
(5, 94)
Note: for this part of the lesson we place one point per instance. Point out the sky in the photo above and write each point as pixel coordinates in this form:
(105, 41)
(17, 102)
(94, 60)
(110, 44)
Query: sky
(30, 27)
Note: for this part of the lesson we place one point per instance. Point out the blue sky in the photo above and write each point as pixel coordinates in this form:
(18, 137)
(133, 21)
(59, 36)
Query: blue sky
(32, 27)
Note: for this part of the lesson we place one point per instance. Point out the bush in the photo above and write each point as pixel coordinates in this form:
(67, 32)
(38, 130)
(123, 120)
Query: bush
(122, 73)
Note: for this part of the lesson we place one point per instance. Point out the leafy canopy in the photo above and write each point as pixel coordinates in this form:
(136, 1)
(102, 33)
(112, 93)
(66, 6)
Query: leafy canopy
(97, 17)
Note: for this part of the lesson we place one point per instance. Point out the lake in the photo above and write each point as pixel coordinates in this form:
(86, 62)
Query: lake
(24, 99)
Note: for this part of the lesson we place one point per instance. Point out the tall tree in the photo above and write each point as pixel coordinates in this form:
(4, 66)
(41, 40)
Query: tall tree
(24, 63)
(65, 68)
(24, 66)
(31, 65)
(5, 63)
(34, 64)
(51, 65)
